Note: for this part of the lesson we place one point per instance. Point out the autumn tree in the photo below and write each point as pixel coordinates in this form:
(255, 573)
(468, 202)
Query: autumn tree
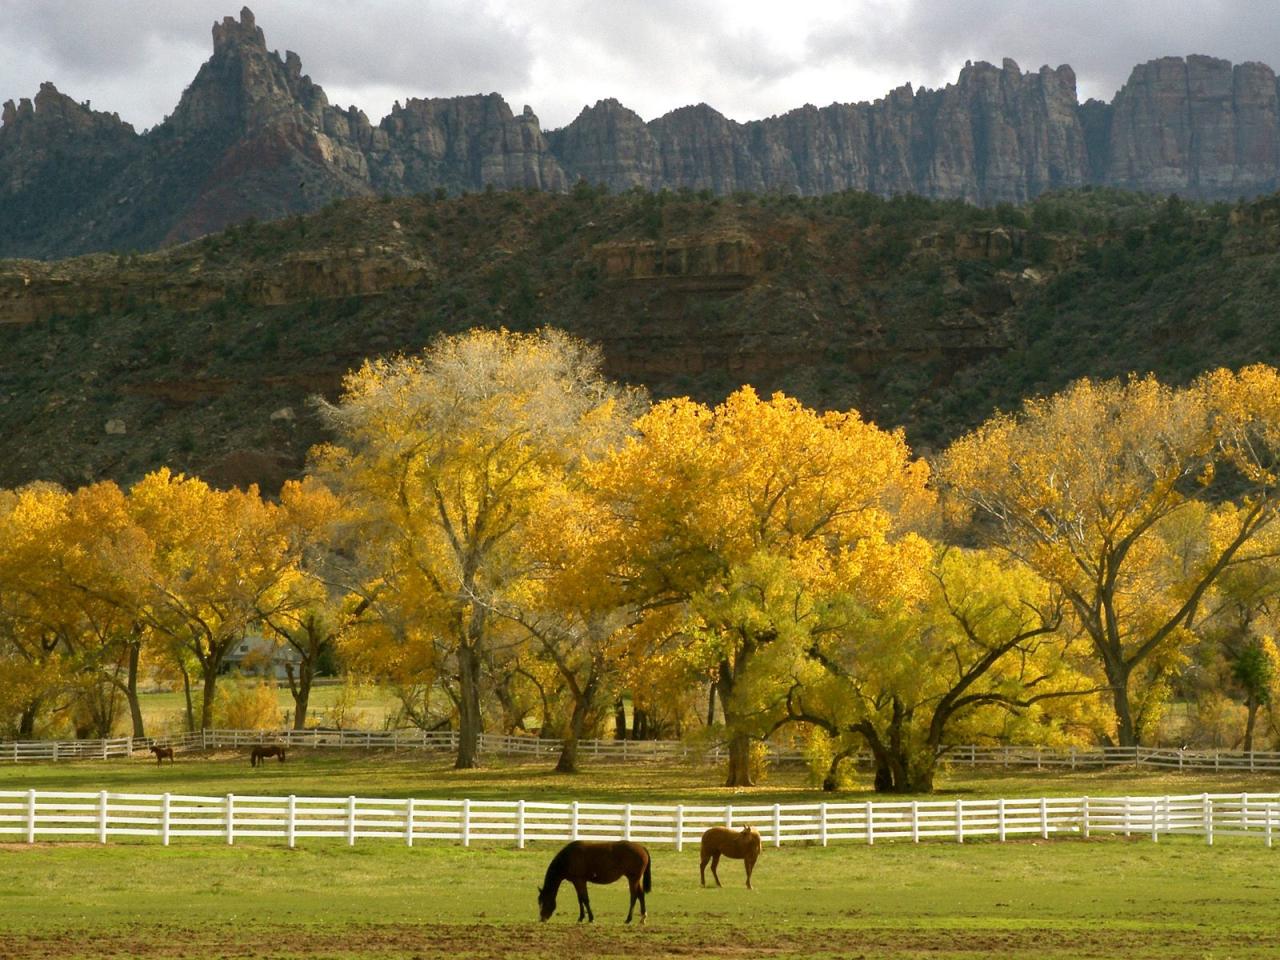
(1088, 488)
(711, 499)
(966, 651)
(217, 563)
(445, 453)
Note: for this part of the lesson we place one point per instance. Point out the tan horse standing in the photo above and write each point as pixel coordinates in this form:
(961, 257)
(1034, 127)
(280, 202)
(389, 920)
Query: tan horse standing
(741, 845)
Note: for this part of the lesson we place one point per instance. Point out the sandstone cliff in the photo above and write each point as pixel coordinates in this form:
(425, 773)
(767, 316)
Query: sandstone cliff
(254, 137)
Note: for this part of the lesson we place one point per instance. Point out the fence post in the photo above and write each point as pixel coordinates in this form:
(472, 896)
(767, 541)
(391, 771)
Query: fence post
(31, 816)
(1084, 816)
(291, 821)
(351, 821)
(777, 825)
(1000, 819)
(959, 821)
(915, 821)
(626, 821)
(822, 823)
(1073, 758)
(128, 748)
(55, 750)
(573, 820)
(165, 819)
(408, 822)
(519, 824)
(728, 815)
(102, 816)
(1244, 809)
(466, 823)
(231, 818)
(1155, 835)
(679, 827)
(1270, 808)
(1207, 807)
(1044, 819)
(869, 813)
(1126, 820)
(104, 748)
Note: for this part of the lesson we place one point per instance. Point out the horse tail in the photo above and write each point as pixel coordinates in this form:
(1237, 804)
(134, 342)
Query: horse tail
(648, 877)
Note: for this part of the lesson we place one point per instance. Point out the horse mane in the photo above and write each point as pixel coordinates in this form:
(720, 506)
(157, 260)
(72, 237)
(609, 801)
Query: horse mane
(556, 870)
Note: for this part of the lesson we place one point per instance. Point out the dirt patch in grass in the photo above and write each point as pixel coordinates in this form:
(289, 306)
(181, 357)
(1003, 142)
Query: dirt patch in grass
(556, 941)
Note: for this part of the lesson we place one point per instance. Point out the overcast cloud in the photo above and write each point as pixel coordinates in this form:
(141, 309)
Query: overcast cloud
(748, 58)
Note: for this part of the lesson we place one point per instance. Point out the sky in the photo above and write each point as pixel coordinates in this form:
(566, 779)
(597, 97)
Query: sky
(747, 58)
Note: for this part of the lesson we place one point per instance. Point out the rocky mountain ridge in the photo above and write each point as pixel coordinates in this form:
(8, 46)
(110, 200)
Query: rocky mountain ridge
(254, 137)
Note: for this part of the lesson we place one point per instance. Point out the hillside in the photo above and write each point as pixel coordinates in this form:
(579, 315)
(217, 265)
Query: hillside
(925, 314)
(254, 137)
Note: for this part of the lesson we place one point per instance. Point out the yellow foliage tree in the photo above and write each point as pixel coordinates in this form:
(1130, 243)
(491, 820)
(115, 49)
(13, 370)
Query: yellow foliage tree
(713, 499)
(1088, 488)
(445, 454)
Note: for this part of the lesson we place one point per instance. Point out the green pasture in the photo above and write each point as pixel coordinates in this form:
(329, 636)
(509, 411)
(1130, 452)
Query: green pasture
(1105, 897)
(405, 773)
(165, 711)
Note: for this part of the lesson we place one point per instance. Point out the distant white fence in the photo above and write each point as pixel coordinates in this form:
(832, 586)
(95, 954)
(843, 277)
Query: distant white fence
(34, 815)
(1039, 758)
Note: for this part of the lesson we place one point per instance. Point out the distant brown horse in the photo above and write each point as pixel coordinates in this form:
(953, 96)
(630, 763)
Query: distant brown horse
(741, 844)
(259, 754)
(162, 754)
(596, 861)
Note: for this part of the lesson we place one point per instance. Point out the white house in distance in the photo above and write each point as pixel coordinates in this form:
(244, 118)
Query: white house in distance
(257, 656)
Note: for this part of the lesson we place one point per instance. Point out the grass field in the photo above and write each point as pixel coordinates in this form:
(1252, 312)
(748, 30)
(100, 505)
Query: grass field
(1068, 898)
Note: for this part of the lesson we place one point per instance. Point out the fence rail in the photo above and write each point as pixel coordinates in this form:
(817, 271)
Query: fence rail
(1074, 758)
(36, 815)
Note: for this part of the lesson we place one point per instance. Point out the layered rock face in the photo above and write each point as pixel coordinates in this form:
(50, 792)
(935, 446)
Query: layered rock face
(1198, 126)
(254, 137)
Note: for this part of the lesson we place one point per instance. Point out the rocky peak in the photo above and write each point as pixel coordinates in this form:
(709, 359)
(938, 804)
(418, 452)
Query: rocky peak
(232, 33)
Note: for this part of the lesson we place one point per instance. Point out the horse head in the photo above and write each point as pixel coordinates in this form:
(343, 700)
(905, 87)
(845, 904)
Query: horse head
(546, 905)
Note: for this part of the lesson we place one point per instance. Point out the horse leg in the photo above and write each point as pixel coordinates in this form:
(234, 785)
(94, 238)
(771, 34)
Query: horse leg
(750, 861)
(644, 913)
(715, 863)
(634, 884)
(702, 867)
(584, 902)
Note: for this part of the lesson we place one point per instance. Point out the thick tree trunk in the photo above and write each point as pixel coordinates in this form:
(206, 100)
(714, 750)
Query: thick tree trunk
(739, 773)
(469, 719)
(568, 762)
(1118, 678)
(27, 721)
(210, 672)
(301, 691)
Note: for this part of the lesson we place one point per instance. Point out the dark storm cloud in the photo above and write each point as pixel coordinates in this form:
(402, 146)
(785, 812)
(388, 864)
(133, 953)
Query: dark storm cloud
(136, 56)
(748, 58)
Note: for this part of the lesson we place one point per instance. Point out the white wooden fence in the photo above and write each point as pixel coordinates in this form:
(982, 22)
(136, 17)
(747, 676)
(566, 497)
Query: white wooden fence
(1039, 758)
(38, 815)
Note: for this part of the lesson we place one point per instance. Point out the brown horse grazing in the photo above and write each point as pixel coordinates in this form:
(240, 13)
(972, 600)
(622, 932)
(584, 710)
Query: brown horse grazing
(162, 754)
(597, 861)
(741, 844)
(259, 754)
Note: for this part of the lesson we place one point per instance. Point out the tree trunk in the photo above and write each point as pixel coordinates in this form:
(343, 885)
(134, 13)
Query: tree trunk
(1251, 706)
(739, 772)
(27, 721)
(469, 720)
(568, 762)
(186, 692)
(301, 691)
(210, 672)
(1126, 733)
(619, 720)
(131, 690)
(711, 703)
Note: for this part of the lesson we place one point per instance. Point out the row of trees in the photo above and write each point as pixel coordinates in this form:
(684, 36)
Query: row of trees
(497, 524)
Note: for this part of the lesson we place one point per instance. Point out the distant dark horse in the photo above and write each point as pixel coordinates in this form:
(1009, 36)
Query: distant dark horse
(259, 755)
(596, 861)
(741, 844)
(162, 754)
